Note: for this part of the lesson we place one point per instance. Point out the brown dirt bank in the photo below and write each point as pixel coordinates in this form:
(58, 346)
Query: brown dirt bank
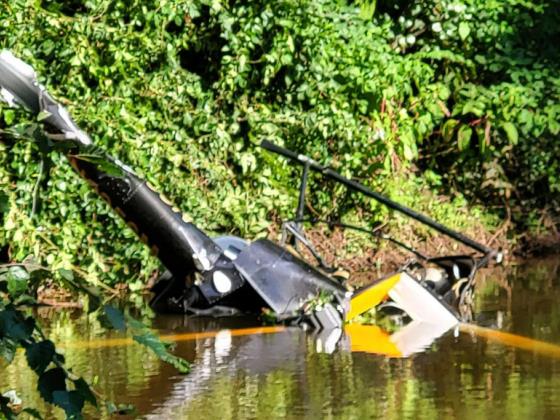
(538, 245)
(372, 258)
(363, 259)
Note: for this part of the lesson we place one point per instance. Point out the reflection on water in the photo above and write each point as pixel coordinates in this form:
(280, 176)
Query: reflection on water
(280, 373)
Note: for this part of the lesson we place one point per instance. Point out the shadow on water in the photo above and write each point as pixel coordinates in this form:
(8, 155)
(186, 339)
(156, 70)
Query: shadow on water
(281, 373)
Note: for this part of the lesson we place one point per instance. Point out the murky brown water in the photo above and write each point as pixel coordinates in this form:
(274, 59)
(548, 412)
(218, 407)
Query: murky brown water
(283, 375)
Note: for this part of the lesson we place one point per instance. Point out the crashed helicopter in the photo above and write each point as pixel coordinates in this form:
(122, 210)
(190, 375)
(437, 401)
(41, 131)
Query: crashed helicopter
(228, 274)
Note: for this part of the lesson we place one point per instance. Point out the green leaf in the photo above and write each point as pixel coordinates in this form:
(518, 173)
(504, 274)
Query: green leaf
(408, 152)
(448, 129)
(473, 107)
(115, 317)
(135, 324)
(51, 381)
(19, 273)
(17, 281)
(511, 132)
(15, 326)
(7, 349)
(464, 30)
(40, 355)
(409, 144)
(4, 202)
(85, 391)
(43, 115)
(9, 116)
(367, 8)
(71, 402)
(444, 93)
(464, 137)
(152, 342)
(481, 135)
(67, 275)
(103, 163)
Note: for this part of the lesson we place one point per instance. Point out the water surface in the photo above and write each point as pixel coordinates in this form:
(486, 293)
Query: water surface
(287, 374)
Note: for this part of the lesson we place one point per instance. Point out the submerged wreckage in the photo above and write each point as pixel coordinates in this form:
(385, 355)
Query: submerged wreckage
(229, 274)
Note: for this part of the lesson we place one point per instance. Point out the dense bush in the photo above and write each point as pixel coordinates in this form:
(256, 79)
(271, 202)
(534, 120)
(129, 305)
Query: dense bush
(416, 98)
(446, 95)
(500, 61)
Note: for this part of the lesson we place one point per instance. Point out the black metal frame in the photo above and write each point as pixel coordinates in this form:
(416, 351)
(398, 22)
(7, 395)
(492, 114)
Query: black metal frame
(292, 230)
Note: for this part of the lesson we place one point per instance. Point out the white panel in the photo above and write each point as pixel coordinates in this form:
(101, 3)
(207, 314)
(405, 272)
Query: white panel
(420, 304)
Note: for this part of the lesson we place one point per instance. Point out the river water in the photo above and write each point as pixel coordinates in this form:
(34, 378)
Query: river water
(242, 372)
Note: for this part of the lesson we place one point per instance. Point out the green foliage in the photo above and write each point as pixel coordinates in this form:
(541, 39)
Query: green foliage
(498, 140)
(56, 384)
(458, 97)
(184, 94)
(151, 341)
(39, 355)
(184, 90)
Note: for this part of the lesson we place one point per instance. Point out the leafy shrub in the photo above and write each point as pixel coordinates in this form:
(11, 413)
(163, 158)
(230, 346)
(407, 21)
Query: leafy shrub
(183, 95)
(183, 91)
(413, 98)
(498, 141)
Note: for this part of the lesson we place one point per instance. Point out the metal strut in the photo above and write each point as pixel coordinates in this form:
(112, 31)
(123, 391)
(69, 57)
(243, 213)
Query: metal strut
(302, 188)
(292, 231)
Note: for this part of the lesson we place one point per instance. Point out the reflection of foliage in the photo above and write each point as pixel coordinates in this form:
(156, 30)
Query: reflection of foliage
(144, 336)
(388, 323)
(461, 376)
(56, 384)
